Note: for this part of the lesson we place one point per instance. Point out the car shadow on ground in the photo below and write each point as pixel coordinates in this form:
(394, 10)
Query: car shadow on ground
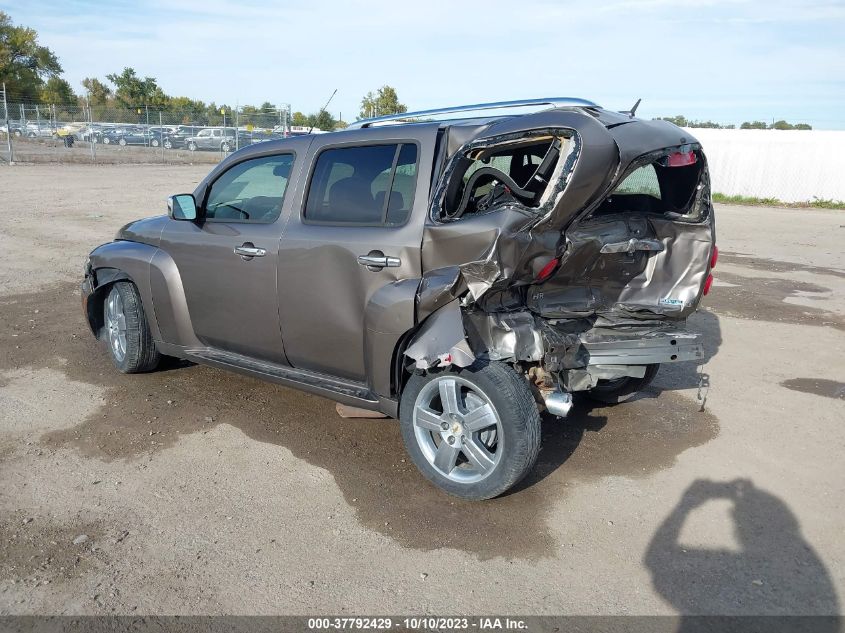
(772, 571)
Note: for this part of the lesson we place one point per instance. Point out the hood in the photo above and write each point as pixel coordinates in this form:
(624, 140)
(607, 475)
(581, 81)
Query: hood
(146, 231)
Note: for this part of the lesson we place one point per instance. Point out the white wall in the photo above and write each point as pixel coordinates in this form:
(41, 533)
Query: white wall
(791, 165)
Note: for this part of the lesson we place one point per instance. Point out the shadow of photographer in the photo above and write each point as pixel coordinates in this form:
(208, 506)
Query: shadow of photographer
(774, 572)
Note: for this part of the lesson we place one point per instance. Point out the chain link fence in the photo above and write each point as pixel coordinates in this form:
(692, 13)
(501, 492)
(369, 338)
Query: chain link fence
(37, 133)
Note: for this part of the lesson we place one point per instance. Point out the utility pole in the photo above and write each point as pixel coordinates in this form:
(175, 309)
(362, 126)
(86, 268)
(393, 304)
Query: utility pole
(8, 127)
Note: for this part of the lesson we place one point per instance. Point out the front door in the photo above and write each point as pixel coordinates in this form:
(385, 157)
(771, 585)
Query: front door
(355, 241)
(227, 260)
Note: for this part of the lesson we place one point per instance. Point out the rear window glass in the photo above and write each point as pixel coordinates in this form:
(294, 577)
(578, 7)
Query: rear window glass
(642, 180)
(372, 184)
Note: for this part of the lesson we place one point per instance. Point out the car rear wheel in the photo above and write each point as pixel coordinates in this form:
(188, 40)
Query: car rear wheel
(473, 432)
(622, 389)
(225, 147)
(192, 146)
(154, 142)
(106, 140)
(168, 145)
(128, 334)
(122, 142)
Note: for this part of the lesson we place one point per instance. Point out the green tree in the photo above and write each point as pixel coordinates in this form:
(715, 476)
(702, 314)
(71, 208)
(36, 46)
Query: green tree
(381, 103)
(299, 119)
(24, 64)
(782, 125)
(753, 125)
(132, 91)
(98, 92)
(57, 91)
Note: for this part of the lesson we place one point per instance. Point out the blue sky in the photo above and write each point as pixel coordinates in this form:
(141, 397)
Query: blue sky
(726, 60)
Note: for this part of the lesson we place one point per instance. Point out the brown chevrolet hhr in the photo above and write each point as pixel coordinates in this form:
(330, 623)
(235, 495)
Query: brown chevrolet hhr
(460, 269)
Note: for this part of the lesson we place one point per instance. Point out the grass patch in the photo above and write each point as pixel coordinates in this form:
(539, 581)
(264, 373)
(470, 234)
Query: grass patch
(818, 203)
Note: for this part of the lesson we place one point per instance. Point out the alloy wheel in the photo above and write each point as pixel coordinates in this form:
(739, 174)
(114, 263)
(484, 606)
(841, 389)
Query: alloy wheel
(458, 429)
(116, 326)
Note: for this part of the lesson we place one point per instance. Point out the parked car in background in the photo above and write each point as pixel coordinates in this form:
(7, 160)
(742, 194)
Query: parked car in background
(125, 135)
(180, 135)
(159, 134)
(461, 275)
(35, 130)
(216, 138)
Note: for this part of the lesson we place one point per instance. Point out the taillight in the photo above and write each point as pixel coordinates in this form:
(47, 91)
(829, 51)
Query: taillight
(707, 283)
(681, 159)
(714, 257)
(547, 270)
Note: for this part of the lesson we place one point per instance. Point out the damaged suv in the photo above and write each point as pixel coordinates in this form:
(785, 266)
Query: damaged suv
(461, 274)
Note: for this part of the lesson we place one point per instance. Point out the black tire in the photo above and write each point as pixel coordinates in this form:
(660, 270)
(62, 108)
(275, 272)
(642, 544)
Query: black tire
(192, 146)
(168, 145)
(225, 147)
(513, 402)
(17, 133)
(106, 140)
(154, 142)
(122, 142)
(621, 389)
(140, 354)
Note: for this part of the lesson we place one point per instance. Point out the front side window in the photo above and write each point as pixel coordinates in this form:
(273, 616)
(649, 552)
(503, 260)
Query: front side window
(251, 191)
(373, 185)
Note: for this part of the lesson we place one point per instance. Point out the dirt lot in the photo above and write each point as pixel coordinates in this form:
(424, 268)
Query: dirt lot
(191, 490)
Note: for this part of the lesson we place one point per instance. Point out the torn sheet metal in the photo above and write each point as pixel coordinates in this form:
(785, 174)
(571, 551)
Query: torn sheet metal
(615, 266)
(440, 341)
(508, 336)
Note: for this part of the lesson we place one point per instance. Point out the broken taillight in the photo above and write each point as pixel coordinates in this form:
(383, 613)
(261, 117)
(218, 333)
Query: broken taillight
(547, 270)
(680, 159)
(714, 257)
(707, 283)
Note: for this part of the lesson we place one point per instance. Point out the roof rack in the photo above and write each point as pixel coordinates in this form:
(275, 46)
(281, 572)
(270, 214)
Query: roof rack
(555, 102)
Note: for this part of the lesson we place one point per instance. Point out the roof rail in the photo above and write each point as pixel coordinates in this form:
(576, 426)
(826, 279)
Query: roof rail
(555, 102)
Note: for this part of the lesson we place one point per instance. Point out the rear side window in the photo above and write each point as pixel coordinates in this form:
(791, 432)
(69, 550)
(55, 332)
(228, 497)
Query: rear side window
(372, 184)
(251, 191)
(642, 180)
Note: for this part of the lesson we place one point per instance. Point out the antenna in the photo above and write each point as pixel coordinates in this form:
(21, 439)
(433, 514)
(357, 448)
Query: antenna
(324, 107)
(633, 110)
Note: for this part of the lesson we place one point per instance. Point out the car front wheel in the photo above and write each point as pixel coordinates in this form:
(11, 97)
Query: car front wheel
(154, 142)
(122, 142)
(473, 432)
(128, 334)
(168, 145)
(106, 140)
(192, 146)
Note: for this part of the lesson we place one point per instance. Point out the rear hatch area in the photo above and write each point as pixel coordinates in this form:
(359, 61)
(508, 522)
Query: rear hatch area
(570, 243)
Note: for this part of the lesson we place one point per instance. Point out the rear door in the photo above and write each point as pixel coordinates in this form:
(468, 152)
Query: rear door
(354, 241)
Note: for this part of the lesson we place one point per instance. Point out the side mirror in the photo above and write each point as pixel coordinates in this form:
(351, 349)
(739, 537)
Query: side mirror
(182, 207)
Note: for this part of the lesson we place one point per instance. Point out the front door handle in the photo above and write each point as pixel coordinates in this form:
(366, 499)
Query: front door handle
(376, 260)
(247, 251)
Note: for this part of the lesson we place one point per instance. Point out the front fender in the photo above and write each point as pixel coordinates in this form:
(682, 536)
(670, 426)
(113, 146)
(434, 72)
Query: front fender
(117, 261)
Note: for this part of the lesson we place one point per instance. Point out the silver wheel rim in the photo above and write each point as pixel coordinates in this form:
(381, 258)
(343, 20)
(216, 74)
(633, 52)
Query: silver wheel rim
(116, 325)
(458, 429)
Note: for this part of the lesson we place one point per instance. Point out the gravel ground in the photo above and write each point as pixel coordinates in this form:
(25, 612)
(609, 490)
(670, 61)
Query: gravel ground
(191, 490)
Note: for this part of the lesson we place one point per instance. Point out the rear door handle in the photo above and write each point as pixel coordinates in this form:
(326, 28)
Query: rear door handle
(376, 260)
(247, 251)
